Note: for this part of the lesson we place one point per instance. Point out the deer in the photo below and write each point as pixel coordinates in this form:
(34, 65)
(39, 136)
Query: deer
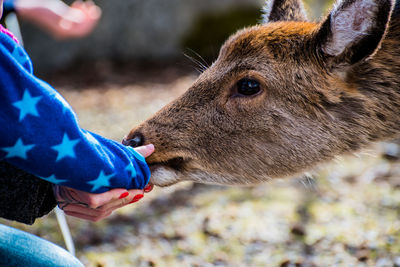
(283, 97)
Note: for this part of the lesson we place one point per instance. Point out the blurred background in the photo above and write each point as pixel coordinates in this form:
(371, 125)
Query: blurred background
(346, 213)
(151, 31)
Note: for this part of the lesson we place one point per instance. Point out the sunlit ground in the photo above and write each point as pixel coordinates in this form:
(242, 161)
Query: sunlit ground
(348, 214)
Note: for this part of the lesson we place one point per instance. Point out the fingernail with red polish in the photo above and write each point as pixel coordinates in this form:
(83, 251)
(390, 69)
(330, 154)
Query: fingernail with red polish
(124, 195)
(148, 188)
(136, 198)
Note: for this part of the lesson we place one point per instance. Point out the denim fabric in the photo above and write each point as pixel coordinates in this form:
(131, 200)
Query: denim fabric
(18, 248)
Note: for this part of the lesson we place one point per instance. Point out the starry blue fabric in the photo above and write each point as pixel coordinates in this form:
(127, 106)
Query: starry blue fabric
(39, 133)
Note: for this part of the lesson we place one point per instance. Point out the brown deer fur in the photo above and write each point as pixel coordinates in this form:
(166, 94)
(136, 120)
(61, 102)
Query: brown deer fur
(327, 89)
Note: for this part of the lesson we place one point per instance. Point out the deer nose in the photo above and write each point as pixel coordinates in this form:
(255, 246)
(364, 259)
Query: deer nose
(136, 140)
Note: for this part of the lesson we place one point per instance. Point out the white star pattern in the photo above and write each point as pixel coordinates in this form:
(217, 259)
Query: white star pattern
(18, 150)
(43, 136)
(66, 148)
(27, 105)
(102, 180)
(52, 179)
(131, 168)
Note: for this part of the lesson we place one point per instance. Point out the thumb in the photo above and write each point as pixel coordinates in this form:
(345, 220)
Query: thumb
(146, 150)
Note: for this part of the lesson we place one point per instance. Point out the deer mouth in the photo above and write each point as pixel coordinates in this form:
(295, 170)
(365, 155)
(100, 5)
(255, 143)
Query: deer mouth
(174, 163)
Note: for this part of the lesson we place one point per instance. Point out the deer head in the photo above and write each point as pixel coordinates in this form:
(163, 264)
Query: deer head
(281, 97)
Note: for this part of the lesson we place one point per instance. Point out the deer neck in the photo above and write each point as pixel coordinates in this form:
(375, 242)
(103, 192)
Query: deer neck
(378, 85)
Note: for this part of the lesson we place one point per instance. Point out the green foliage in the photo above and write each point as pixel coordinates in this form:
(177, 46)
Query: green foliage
(317, 8)
(209, 31)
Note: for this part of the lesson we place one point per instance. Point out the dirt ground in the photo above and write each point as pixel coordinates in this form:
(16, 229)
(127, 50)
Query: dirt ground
(343, 214)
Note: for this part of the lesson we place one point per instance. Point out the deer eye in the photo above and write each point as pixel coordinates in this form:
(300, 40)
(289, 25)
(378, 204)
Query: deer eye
(248, 87)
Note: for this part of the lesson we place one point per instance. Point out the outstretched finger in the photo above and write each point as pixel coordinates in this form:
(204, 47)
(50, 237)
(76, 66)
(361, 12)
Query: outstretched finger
(134, 196)
(92, 10)
(98, 200)
(89, 8)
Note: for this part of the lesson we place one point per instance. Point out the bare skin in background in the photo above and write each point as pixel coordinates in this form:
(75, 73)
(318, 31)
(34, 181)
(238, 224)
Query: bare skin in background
(57, 18)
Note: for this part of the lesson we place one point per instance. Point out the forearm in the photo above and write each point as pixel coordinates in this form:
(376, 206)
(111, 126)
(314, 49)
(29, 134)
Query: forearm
(42, 7)
(60, 20)
(45, 13)
(41, 135)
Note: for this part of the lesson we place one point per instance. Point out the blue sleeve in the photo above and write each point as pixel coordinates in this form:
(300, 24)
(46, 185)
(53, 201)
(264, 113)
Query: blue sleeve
(39, 133)
(8, 5)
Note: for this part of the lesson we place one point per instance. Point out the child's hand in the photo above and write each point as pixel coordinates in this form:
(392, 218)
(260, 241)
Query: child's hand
(78, 21)
(95, 207)
(60, 20)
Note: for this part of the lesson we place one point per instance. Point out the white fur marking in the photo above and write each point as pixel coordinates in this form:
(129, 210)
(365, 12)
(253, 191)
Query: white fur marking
(349, 25)
(162, 176)
(266, 11)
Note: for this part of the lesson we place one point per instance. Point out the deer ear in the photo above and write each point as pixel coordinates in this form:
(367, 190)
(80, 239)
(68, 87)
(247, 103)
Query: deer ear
(284, 10)
(353, 31)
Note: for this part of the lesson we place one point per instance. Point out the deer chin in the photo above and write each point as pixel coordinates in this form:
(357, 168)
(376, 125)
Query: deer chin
(163, 176)
(167, 173)
(176, 170)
